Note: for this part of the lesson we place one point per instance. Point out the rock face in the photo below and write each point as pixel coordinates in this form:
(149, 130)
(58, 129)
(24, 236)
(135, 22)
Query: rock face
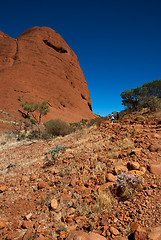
(38, 66)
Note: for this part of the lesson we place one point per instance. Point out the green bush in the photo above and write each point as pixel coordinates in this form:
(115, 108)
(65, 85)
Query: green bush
(139, 118)
(57, 128)
(79, 125)
(97, 121)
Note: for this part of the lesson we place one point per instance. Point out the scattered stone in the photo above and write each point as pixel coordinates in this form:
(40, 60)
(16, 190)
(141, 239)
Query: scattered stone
(33, 177)
(154, 148)
(26, 224)
(155, 169)
(134, 226)
(29, 234)
(155, 233)
(114, 231)
(2, 188)
(110, 177)
(2, 224)
(62, 234)
(136, 151)
(120, 169)
(140, 234)
(28, 216)
(54, 204)
(80, 235)
(41, 185)
(133, 165)
(136, 172)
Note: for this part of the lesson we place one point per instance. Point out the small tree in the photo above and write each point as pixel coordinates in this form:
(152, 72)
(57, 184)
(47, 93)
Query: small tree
(148, 95)
(35, 112)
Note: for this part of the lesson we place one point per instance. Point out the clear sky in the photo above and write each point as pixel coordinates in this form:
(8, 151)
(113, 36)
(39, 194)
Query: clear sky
(118, 42)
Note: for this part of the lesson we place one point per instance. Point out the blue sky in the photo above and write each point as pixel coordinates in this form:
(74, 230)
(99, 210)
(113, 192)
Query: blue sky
(118, 42)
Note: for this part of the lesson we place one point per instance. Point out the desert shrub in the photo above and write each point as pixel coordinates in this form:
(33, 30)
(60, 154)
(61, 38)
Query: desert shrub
(103, 201)
(57, 128)
(97, 121)
(51, 155)
(153, 103)
(79, 125)
(128, 185)
(83, 208)
(35, 134)
(139, 118)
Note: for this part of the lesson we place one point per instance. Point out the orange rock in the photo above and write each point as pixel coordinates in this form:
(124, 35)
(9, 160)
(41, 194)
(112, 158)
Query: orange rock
(62, 234)
(80, 235)
(2, 223)
(136, 172)
(41, 185)
(120, 168)
(33, 177)
(155, 169)
(54, 204)
(133, 165)
(26, 224)
(2, 188)
(134, 226)
(28, 234)
(114, 231)
(60, 73)
(155, 233)
(140, 234)
(154, 148)
(110, 177)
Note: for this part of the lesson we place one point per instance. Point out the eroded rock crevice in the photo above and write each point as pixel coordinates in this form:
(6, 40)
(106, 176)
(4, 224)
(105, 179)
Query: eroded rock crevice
(83, 97)
(58, 49)
(90, 106)
(15, 56)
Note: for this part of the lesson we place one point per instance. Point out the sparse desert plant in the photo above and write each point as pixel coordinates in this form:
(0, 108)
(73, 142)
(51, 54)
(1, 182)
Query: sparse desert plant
(35, 112)
(57, 128)
(139, 118)
(103, 201)
(128, 185)
(79, 125)
(97, 121)
(13, 121)
(51, 155)
(83, 208)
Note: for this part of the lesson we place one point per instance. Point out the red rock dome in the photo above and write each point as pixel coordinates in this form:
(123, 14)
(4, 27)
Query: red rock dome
(38, 66)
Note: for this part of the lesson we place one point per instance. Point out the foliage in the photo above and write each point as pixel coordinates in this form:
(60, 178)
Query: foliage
(51, 155)
(34, 112)
(148, 95)
(139, 118)
(97, 121)
(16, 123)
(78, 125)
(57, 128)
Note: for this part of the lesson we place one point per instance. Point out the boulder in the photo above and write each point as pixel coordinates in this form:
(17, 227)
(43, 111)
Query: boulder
(80, 235)
(155, 233)
(155, 169)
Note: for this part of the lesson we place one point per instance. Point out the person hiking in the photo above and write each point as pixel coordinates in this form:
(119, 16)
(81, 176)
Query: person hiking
(112, 118)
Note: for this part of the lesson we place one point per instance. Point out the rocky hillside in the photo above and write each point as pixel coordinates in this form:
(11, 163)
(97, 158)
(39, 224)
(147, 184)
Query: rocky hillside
(97, 183)
(40, 66)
